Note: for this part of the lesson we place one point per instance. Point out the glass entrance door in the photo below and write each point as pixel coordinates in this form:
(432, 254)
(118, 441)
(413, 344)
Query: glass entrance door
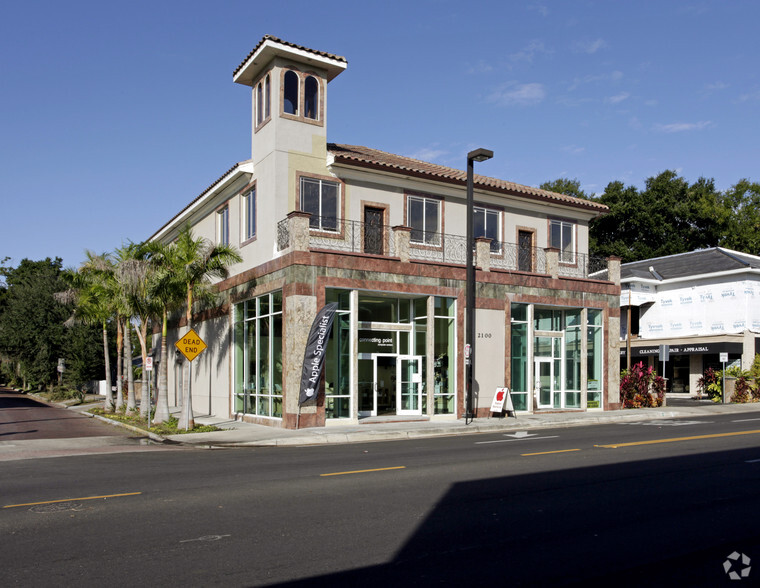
(367, 387)
(544, 380)
(409, 385)
(378, 383)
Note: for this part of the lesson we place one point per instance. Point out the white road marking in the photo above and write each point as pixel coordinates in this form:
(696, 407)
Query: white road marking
(206, 538)
(518, 439)
(752, 461)
(520, 434)
(745, 420)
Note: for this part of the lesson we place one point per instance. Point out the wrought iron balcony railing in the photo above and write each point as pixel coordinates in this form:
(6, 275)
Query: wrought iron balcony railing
(358, 237)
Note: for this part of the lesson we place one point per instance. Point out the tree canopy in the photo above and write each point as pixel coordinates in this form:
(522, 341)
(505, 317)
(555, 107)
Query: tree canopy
(670, 216)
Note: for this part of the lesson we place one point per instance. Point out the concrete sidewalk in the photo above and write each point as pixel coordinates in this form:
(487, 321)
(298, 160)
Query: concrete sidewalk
(239, 434)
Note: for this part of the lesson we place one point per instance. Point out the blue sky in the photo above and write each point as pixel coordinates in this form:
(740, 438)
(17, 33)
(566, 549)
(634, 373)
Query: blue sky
(113, 116)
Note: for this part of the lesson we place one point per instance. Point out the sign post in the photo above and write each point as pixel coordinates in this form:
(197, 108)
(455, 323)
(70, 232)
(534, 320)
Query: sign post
(191, 346)
(724, 360)
(664, 356)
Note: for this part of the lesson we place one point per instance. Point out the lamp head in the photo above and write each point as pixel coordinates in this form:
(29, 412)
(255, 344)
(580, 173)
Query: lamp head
(480, 154)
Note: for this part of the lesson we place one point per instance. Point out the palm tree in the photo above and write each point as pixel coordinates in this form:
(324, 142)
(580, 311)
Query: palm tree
(167, 289)
(135, 273)
(96, 304)
(197, 262)
(123, 257)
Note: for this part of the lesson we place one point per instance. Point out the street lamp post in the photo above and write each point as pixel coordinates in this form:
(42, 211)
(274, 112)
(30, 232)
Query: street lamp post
(472, 156)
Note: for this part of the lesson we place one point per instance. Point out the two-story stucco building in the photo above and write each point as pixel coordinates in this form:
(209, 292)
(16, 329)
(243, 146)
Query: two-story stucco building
(383, 236)
(700, 304)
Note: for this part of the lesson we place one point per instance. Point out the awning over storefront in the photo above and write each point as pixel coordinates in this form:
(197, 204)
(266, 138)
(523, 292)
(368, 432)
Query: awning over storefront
(685, 349)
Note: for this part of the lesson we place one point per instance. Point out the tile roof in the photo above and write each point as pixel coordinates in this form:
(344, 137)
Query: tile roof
(266, 38)
(230, 171)
(376, 159)
(693, 263)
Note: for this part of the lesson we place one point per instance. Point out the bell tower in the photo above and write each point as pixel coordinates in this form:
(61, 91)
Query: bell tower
(289, 97)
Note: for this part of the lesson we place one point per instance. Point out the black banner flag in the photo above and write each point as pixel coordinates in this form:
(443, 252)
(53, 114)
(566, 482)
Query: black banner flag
(316, 348)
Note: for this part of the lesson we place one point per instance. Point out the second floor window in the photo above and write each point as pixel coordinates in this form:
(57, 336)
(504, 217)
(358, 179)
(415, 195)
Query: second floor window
(486, 224)
(321, 198)
(223, 226)
(423, 215)
(249, 214)
(562, 236)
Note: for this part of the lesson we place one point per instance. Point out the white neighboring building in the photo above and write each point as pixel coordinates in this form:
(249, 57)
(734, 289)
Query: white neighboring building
(700, 304)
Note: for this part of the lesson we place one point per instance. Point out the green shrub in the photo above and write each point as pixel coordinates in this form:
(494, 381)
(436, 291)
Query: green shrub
(742, 391)
(710, 384)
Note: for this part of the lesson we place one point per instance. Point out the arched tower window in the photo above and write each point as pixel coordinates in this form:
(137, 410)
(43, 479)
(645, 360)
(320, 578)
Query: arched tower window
(311, 98)
(267, 99)
(259, 104)
(290, 94)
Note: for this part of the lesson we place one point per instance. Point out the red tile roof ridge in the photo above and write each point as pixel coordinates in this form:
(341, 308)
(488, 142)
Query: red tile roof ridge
(377, 157)
(266, 38)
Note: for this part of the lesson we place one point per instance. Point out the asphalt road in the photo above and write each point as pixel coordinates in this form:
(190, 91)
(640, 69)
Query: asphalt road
(626, 504)
(32, 429)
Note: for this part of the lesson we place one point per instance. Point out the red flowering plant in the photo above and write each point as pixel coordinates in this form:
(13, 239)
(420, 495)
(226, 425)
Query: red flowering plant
(641, 387)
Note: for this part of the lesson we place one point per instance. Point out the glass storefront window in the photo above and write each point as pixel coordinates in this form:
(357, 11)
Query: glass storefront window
(545, 319)
(338, 364)
(388, 341)
(594, 355)
(378, 310)
(258, 356)
(573, 359)
(519, 339)
(443, 306)
(444, 352)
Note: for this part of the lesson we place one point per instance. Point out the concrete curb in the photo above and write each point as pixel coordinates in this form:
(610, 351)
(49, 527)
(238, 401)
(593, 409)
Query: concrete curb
(262, 436)
(327, 437)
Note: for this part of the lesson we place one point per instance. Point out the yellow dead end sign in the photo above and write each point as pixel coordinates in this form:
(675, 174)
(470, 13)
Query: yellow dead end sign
(191, 345)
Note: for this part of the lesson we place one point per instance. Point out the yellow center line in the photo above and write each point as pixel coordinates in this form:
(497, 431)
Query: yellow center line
(674, 439)
(364, 471)
(72, 499)
(548, 452)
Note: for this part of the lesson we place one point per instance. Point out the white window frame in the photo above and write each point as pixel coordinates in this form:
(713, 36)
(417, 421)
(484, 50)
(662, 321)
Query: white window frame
(249, 224)
(495, 244)
(319, 224)
(564, 256)
(425, 229)
(223, 225)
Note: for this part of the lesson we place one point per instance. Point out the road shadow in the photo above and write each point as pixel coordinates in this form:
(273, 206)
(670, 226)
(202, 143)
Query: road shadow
(656, 522)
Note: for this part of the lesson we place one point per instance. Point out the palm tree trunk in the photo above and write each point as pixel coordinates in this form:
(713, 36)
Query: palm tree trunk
(162, 401)
(119, 364)
(131, 400)
(142, 335)
(109, 392)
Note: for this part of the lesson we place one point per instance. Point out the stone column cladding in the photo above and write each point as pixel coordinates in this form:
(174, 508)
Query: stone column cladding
(483, 253)
(298, 226)
(552, 262)
(613, 361)
(402, 237)
(613, 336)
(613, 269)
(748, 349)
(299, 314)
